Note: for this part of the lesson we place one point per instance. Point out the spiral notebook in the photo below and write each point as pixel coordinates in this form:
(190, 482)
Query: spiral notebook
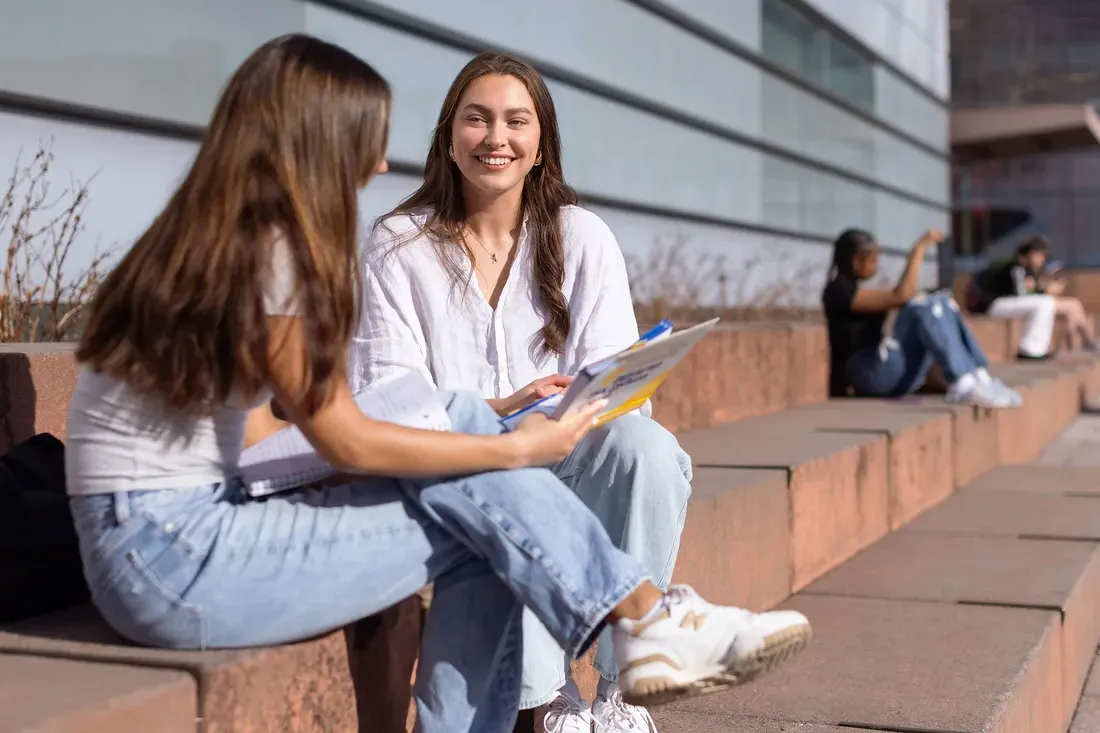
(286, 460)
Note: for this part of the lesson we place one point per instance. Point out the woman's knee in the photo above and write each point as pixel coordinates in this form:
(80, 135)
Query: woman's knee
(1070, 307)
(634, 441)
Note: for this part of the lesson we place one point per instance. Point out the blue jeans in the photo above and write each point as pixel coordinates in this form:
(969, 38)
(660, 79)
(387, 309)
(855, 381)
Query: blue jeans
(635, 477)
(928, 330)
(209, 567)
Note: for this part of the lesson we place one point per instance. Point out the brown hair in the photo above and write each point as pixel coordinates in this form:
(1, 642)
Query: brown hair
(299, 128)
(544, 192)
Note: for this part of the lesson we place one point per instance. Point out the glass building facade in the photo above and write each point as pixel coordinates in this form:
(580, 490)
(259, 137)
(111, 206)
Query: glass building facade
(750, 130)
(1012, 53)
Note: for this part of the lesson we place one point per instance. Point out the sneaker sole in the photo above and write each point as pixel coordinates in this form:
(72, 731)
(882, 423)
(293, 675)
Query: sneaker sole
(777, 649)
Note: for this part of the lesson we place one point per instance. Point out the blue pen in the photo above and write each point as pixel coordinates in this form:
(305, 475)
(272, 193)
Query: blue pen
(655, 331)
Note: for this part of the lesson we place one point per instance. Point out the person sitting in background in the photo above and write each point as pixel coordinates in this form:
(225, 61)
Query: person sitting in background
(1028, 287)
(491, 278)
(928, 330)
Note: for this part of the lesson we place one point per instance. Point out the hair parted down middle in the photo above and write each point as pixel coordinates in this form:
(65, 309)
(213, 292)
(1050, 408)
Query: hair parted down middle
(299, 129)
(545, 192)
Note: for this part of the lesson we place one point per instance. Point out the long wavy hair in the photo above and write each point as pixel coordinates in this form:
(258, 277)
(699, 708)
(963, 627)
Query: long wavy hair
(300, 127)
(439, 199)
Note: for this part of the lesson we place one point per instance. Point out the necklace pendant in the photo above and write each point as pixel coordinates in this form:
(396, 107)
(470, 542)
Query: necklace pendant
(493, 257)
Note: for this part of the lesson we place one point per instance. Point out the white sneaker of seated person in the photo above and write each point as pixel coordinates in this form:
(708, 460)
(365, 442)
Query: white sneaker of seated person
(686, 647)
(614, 715)
(970, 390)
(565, 713)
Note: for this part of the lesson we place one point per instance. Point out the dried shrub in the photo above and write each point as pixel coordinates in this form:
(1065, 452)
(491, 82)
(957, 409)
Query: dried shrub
(670, 281)
(40, 300)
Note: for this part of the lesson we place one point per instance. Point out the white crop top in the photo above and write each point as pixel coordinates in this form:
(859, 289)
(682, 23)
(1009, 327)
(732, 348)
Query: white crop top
(120, 440)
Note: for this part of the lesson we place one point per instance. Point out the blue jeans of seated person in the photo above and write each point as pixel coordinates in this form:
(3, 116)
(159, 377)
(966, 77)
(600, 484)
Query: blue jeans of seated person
(928, 330)
(635, 477)
(210, 567)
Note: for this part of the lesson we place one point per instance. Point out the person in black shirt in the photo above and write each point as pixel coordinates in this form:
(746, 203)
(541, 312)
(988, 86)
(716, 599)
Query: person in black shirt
(928, 330)
(1026, 287)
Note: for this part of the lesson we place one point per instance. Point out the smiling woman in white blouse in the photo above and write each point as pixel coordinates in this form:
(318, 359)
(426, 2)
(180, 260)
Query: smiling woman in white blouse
(491, 278)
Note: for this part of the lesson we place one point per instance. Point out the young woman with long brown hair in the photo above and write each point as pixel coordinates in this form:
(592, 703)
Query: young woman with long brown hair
(244, 288)
(491, 278)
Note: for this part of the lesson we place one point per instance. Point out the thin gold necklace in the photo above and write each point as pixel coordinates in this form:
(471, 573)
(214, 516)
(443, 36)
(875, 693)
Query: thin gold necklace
(492, 255)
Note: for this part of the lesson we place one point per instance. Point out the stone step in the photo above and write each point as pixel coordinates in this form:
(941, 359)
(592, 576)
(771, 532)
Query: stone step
(778, 366)
(1087, 717)
(1071, 481)
(43, 695)
(978, 615)
(308, 687)
(836, 484)
(919, 444)
(987, 571)
(1052, 399)
(901, 665)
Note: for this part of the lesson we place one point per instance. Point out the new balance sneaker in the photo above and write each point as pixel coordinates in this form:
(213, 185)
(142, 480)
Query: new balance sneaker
(613, 715)
(564, 714)
(687, 647)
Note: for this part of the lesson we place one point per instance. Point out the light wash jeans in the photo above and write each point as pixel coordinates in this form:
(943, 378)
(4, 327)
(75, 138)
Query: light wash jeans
(928, 330)
(634, 476)
(209, 567)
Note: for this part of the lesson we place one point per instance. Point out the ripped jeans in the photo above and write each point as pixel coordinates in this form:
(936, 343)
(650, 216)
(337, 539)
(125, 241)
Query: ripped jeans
(929, 330)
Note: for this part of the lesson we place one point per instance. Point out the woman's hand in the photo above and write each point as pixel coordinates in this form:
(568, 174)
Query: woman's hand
(536, 390)
(543, 442)
(930, 237)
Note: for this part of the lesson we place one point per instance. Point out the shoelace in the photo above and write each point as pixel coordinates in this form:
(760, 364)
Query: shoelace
(684, 596)
(559, 712)
(621, 716)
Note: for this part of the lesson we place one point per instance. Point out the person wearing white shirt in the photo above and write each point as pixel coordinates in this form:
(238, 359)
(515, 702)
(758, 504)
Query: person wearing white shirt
(490, 277)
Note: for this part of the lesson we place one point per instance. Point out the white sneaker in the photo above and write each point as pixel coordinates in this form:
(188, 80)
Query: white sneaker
(1014, 398)
(982, 395)
(613, 715)
(689, 647)
(565, 715)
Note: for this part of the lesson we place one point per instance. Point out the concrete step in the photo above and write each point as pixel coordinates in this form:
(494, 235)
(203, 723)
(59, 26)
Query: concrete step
(1071, 481)
(997, 337)
(736, 544)
(1087, 717)
(778, 366)
(987, 571)
(299, 688)
(979, 615)
(1013, 513)
(902, 666)
(43, 695)
(1052, 399)
(836, 484)
(919, 444)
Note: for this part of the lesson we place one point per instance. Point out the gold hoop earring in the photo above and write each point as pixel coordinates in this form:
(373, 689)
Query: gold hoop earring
(451, 151)
(538, 160)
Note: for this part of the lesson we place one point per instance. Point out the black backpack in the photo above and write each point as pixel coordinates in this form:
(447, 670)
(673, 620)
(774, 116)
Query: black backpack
(40, 567)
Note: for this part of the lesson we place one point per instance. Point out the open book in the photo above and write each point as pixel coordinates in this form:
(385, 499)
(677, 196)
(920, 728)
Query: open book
(626, 379)
(286, 460)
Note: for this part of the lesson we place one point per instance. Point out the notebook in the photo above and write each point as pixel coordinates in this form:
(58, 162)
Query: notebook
(286, 460)
(626, 380)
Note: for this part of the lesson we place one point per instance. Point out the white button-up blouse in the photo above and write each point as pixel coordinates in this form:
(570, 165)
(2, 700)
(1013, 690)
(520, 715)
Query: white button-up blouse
(415, 317)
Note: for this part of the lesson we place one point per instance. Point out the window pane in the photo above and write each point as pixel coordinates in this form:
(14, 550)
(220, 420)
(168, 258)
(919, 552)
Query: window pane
(813, 53)
(158, 58)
